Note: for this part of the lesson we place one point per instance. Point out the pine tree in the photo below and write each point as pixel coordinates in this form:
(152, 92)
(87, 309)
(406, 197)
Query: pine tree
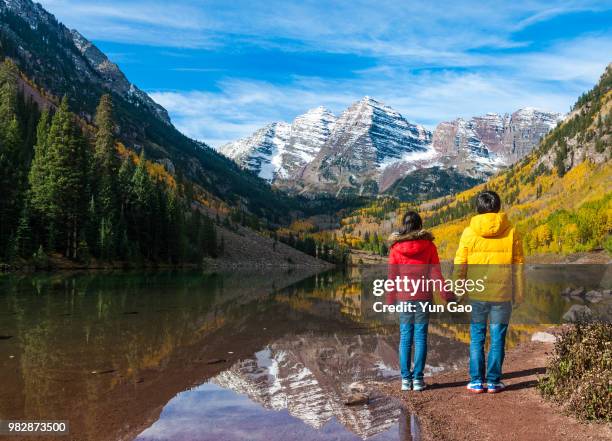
(23, 243)
(105, 180)
(11, 167)
(64, 193)
(142, 200)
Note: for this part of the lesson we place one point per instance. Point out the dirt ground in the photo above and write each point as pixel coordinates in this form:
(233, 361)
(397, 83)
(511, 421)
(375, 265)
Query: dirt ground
(447, 411)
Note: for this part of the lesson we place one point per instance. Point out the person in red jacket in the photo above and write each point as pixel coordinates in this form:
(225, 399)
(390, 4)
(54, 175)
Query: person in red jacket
(414, 256)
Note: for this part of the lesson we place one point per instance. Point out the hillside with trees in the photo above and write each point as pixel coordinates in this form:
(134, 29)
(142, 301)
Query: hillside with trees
(72, 189)
(74, 196)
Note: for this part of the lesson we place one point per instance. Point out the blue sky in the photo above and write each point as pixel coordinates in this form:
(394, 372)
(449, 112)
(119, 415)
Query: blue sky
(224, 69)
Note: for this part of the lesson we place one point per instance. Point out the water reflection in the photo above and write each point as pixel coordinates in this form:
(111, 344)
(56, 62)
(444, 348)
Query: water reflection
(110, 353)
(211, 412)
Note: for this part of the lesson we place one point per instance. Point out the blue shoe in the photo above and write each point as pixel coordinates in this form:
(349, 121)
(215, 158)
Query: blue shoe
(493, 388)
(418, 385)
(406, 384)
(475, 387)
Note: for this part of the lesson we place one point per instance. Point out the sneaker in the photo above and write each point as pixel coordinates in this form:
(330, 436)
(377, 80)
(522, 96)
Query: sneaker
(493, 388)
(406, 384)
(418, 385)
(475, 387)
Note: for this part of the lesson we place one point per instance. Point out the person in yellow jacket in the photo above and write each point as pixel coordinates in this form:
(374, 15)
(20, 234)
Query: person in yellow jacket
(490, 249)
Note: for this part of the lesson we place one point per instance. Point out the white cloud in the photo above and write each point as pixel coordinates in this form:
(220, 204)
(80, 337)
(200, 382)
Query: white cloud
(419, 28)
(434, 60)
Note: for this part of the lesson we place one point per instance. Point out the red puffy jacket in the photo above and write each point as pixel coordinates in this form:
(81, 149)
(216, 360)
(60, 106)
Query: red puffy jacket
(415, 256)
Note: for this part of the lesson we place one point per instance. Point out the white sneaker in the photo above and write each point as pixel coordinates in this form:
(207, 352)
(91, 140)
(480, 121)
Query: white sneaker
(418, 385)
(406, 384)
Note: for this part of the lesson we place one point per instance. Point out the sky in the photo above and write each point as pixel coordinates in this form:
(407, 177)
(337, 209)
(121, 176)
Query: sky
(224, 69)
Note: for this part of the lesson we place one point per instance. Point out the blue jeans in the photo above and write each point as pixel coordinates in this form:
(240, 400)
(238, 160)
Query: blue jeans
(413, 325)
(498, 314)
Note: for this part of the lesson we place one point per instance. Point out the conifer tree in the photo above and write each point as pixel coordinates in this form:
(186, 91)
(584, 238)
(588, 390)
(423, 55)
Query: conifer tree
(65, 192)
(142, 200)
(106, 187)
(11, 168)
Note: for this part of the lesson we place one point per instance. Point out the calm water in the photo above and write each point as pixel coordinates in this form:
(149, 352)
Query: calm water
(191, 356)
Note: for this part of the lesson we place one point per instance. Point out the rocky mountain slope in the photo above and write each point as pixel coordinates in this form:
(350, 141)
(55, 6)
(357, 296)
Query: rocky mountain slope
(559, 196)
(366, 138)
(61, 62)
(371, 147)
(506, 137)
(280, 150)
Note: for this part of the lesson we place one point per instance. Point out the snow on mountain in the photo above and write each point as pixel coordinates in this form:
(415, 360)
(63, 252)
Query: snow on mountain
(367, 137)
(370, 146)
(370, 133)
(309, 132)
(503, 139)
(280, 150)
(261, 152)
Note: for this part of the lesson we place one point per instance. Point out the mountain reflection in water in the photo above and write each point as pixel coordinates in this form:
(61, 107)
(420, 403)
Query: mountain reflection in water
(211, 412)
(186, 355)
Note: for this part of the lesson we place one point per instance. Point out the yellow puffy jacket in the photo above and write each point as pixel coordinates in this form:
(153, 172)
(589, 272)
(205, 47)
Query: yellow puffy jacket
(492, 250)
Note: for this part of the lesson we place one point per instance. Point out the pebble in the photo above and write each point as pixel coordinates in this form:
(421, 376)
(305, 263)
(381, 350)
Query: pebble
(356, 399)
(544, 337)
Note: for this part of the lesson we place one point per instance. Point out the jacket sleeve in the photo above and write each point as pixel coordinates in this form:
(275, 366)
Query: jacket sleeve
(392, 273)
(435, 273)
(518, 277)
(461, 258)
(460, 264)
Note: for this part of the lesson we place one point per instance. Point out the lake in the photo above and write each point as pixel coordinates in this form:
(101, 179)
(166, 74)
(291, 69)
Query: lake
(187, 355)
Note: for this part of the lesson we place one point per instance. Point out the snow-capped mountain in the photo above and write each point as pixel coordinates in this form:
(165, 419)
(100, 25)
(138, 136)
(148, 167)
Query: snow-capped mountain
(280, 150)
(309, 132)
(262, 151)
(367, 137)
(506, 138)
(371, 146)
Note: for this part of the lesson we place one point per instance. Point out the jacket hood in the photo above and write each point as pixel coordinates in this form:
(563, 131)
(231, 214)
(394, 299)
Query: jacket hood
(413, 235)
(412, 244)
(489, 224)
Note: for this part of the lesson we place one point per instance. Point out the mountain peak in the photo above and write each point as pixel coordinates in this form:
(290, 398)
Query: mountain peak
(318, 110)
(369, 101)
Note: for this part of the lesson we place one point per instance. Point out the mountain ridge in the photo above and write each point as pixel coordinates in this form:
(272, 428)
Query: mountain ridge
(370, 147)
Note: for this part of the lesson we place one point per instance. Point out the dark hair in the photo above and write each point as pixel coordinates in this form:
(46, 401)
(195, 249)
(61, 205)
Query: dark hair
(411, 222)
(488, 202)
